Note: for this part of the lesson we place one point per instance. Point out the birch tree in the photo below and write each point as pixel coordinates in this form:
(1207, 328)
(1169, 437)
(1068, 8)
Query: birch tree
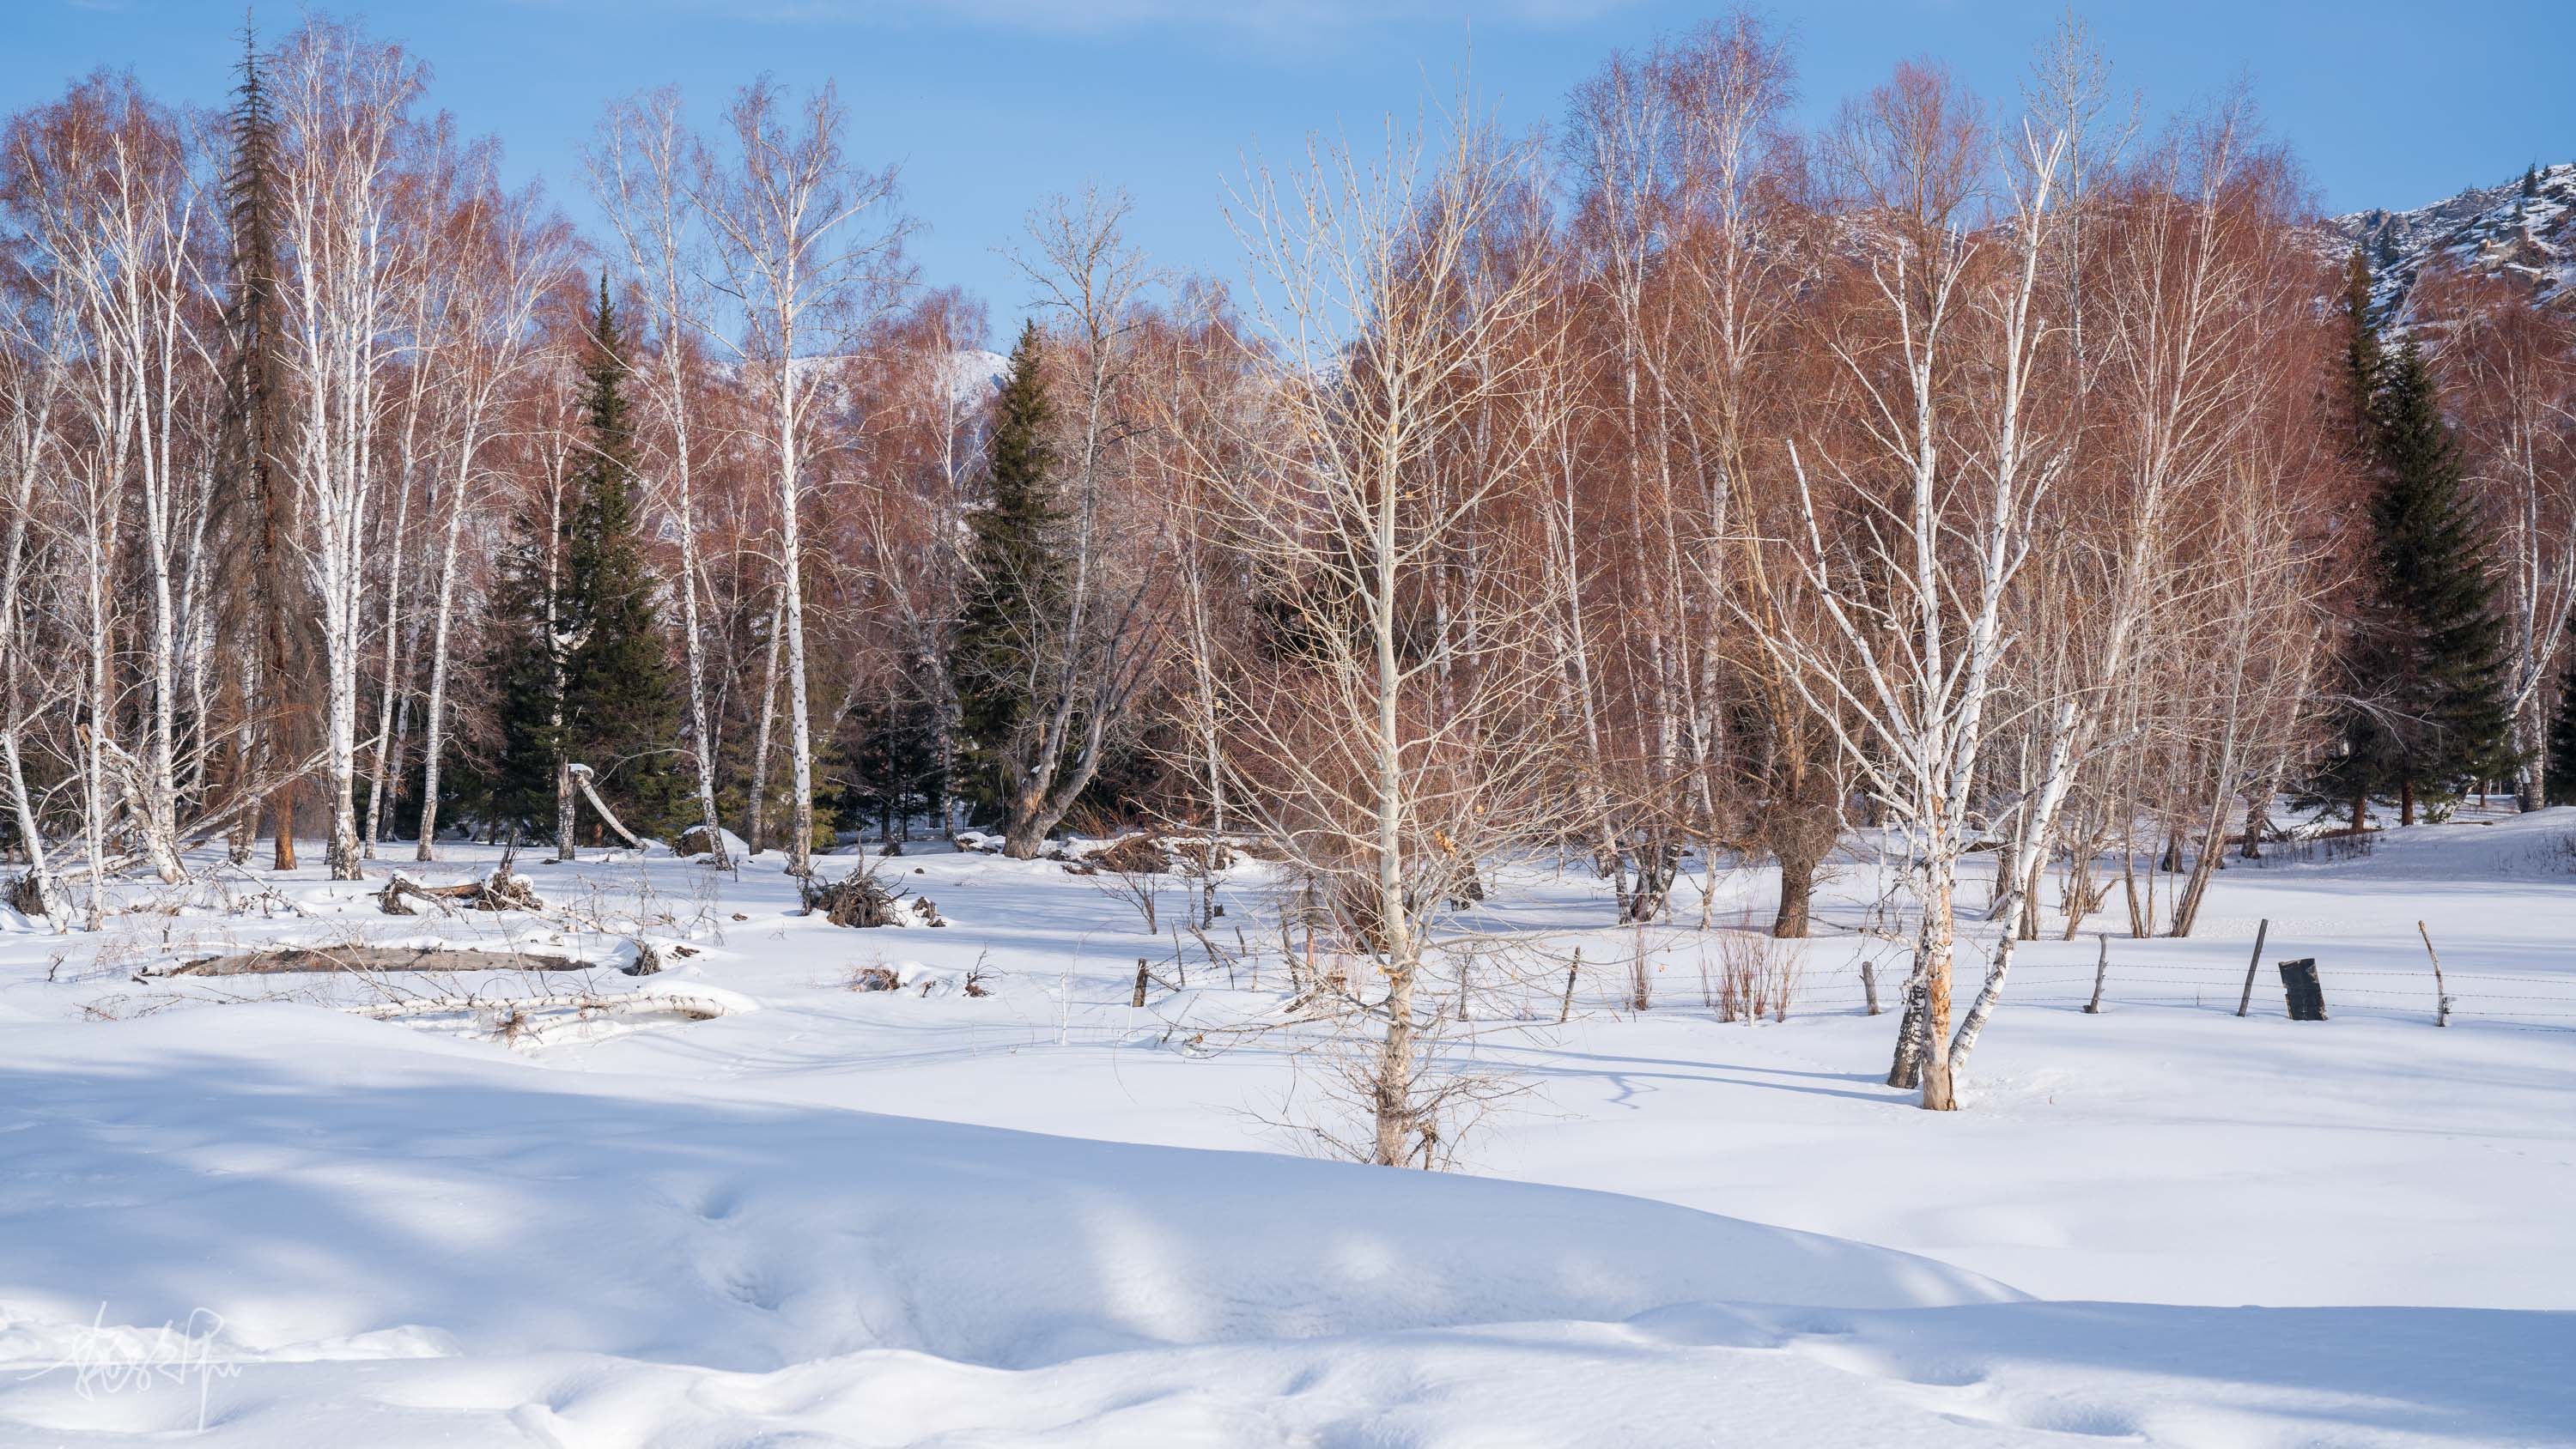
(641, 166)
(1376, 300)
(343, 113)
(809, 246)
(1947, 347)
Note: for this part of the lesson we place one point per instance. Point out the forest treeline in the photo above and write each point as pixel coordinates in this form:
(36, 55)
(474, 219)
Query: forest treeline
(1673, 487)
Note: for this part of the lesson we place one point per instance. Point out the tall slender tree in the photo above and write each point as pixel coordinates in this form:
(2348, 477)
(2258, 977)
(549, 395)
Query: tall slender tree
(1015, 579)
(2450, 725)
(2561, 777)
(256, 505)
(620, 695)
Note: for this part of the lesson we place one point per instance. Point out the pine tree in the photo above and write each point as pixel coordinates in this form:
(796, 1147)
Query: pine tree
(1016, 577)
(2561, 773)
(2360, 766)
(2445, 726)
(524, 661)
(2423, 665)
(621, 697)
(254, 506)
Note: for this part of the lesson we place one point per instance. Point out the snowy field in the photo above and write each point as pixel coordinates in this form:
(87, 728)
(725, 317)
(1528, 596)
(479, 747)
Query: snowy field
(768, 1209)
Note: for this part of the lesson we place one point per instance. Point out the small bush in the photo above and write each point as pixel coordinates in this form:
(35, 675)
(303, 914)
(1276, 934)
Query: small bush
(1757, 975)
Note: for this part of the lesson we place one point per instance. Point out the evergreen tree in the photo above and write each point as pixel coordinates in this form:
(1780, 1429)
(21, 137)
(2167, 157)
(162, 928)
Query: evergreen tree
(2561, 774)
(621, 698)
(1016, 578)
(2428, 655)
(2531, 181)
(524, 659)
(579, 669)
(2357, 769)
(254, 505)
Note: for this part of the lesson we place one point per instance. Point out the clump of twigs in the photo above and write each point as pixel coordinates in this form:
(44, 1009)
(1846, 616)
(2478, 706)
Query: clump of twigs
(1141, 888)
(860, 899)
(502, 890)
(1757, 976)
(24, 893)
(1138, 854)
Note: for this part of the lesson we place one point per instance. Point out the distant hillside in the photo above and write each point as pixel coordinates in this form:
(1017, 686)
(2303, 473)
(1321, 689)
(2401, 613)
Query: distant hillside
(2524, 228)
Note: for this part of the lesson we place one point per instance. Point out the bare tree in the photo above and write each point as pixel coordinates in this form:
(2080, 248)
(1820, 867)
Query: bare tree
(1388, 758)
(1097, 641)
(343, 104)
(640, 169)
(509, 259)
(808, 245)
(1947, 345)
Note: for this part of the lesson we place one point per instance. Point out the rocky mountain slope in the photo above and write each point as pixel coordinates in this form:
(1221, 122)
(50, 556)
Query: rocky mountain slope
(2524, 228)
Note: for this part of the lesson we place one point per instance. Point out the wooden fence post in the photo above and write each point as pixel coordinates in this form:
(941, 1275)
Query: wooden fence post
(2101, 968)
(1565, 1008)
(2247, 999)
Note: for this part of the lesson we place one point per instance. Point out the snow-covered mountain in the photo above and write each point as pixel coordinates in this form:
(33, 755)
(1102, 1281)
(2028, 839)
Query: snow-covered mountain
(973, 371)
(2524, 227)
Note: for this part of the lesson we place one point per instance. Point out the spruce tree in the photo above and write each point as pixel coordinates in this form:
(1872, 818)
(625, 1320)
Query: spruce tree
(524, 660)
(1016, 578)
(621, 701)
(2561, 773)
(253, 504)
(2360, 766)
(579, 670)
(2444, 725)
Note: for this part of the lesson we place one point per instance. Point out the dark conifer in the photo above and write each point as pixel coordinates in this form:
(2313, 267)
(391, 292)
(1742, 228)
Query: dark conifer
(253, 506)
(1016, 576)
(524, 660)
(2429, 649)
(2561, 772)
(2362, 359)
(621, 705)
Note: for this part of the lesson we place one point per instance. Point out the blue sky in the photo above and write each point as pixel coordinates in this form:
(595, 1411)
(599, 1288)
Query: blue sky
(987, 105)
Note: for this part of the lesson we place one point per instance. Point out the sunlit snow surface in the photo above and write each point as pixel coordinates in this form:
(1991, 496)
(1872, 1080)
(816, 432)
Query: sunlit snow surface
(922, 1216)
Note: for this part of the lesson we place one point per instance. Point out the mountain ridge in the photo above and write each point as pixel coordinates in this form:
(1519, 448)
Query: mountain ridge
(2523, 228)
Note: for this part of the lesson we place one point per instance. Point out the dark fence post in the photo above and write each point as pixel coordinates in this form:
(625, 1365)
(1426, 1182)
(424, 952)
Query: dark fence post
(2247, 999)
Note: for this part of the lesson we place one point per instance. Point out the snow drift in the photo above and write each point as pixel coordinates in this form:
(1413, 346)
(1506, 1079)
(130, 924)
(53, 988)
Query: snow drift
(292, 1170)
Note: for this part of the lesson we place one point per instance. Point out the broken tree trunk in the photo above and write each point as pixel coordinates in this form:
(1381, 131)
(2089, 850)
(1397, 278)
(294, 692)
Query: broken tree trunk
(581, 778)
(376, 958)
(502, 891)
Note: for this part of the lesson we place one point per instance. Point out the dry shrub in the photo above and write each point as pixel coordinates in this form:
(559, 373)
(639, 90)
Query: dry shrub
(1132, 855)
(858, 899)
(1757, 976)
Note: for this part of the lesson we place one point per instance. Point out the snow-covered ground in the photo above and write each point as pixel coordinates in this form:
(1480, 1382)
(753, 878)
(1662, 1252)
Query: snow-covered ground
(1034, 1214)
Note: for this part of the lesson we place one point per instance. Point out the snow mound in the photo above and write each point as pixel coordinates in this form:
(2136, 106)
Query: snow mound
(335, 1160)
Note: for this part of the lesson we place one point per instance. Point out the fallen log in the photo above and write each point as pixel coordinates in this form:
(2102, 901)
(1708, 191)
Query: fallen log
(696, 1008)
(288, 959)
(502, 891)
